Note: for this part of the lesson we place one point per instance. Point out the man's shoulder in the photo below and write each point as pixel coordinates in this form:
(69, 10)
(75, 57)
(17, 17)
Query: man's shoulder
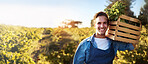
(85, 41)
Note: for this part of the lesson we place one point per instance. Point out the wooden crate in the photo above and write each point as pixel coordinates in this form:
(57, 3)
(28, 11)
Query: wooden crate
(125, 32)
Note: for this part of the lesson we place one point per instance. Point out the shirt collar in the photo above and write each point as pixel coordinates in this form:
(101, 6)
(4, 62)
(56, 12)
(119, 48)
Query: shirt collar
(91, 39)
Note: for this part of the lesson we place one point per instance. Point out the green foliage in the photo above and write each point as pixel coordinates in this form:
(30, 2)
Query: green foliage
(128, 3)
(17, 44)
(116, 10)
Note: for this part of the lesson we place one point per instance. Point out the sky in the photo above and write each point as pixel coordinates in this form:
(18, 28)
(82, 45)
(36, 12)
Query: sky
(50, 13)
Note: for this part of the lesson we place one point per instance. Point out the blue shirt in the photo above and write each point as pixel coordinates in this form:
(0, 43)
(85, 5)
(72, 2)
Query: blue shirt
(82, 52)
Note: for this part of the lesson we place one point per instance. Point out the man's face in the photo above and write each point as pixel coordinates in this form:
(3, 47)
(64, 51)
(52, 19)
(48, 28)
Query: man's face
(101, 25)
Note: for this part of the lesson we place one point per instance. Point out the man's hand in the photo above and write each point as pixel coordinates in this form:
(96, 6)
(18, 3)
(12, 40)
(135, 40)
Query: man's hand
(134, 44)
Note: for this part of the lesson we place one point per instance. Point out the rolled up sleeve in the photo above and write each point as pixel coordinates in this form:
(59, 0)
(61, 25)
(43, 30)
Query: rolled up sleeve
(124, 46)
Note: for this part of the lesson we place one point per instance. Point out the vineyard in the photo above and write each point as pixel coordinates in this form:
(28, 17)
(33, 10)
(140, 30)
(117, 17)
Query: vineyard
(56, 46)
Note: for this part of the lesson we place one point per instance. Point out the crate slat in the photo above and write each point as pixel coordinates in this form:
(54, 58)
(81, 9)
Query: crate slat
(126, 40)
(111, 31)
(128, 35)
(112, 27)
(113, 22)
(124, 32)
(129, 26)
(128, 30)
(129, 18)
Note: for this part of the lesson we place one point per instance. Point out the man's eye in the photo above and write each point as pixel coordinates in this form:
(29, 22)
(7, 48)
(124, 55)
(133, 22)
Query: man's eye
(99, 22)
(105, 22)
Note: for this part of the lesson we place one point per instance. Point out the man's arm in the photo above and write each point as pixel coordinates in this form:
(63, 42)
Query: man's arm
(124, 46)
(79, 57)
(134, 45)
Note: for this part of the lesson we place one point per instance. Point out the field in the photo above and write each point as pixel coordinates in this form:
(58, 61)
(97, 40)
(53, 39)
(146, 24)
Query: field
(56, 45)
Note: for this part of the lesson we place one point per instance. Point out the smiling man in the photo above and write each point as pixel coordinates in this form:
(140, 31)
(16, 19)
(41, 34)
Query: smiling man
(98, 49)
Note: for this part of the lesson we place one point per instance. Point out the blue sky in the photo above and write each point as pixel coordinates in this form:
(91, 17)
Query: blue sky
(50, 13)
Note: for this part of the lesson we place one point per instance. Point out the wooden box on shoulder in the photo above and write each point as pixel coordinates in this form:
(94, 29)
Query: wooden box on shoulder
(125, 29)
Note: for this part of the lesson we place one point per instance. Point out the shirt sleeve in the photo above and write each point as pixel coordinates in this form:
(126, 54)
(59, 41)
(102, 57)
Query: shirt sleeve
(124, 46)
(79, 57)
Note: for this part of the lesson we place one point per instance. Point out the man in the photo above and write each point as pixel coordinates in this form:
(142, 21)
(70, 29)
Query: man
(98, 49)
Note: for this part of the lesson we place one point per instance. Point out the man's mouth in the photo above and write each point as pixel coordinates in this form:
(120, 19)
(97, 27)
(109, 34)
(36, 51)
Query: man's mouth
(102, 29)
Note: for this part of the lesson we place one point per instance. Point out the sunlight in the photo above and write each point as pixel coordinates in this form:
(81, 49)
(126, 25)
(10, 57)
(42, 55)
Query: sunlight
(34, 16)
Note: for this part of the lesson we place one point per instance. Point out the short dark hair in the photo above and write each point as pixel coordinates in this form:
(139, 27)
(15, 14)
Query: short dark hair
(102, 14)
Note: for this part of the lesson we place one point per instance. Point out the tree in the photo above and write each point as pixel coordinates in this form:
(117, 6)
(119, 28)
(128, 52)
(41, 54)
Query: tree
(116, 10)
(144, 13)
(128, 4)
(71, 23)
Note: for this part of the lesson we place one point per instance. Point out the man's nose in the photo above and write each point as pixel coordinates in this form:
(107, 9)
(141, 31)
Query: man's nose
(101, 25)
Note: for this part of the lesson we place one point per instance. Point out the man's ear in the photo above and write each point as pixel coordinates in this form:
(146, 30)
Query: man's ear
(94, 23)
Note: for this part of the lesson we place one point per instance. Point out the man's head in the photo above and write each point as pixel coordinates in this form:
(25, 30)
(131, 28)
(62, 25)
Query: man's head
(101, 23)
